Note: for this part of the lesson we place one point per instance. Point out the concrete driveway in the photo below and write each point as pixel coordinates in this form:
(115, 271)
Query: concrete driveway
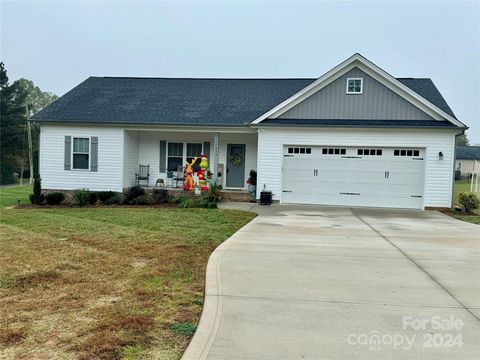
(308, 282)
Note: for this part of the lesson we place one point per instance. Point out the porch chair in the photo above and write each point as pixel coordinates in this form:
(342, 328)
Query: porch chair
(180, 176)
(143, 173)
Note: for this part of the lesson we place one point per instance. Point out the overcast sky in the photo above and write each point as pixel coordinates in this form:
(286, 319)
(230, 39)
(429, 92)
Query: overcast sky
(59, 44)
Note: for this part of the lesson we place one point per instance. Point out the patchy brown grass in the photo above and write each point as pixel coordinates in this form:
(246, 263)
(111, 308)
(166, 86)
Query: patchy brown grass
(104, 283)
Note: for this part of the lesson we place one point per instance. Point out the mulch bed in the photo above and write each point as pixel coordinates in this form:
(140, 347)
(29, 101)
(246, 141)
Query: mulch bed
(99, 206)
(448, 211)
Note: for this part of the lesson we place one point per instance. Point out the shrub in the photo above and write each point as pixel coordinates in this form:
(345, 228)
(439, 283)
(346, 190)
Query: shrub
(54, 198)
(252, 179)
(92, 199)
(103, 196)
(37, 197)
(116, 198)
(186, 201)
(134, 192)
(469, 201)
(81, 196)
(212, 197)
(160, 196)
(142, 200)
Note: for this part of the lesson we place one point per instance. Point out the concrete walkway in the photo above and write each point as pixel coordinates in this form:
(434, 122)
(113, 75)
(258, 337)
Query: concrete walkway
(309, 282)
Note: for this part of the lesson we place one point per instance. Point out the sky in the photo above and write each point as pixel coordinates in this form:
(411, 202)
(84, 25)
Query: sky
(58, 44)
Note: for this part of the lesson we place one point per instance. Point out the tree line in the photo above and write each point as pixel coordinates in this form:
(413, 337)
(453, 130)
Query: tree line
(18, 101)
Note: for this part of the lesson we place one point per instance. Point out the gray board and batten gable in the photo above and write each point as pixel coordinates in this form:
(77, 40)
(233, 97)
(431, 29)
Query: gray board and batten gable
(377, 102)
(222, 102)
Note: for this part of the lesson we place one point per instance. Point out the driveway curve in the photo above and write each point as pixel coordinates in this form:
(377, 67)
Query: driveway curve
(311, 282)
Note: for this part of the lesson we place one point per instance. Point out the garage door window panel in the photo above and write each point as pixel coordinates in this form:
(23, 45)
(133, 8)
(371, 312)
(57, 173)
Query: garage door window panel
(334, 151)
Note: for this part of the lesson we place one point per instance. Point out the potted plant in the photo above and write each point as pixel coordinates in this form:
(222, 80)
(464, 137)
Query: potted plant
(252, 185)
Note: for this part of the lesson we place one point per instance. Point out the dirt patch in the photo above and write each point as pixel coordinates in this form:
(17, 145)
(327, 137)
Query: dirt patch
(104, 282)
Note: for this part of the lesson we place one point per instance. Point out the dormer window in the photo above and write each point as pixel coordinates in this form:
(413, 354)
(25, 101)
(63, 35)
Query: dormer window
(354, 85)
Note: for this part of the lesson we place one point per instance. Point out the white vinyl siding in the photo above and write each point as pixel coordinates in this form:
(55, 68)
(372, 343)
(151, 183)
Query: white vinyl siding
(438, 173)
(110, 158)
(130, 158)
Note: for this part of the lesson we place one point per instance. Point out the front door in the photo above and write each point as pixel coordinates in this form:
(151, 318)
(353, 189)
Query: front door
(235, 166)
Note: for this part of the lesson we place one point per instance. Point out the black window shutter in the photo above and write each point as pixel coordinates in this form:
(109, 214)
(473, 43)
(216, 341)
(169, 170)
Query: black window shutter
(68, 153)
(163, 156)
(94, 154)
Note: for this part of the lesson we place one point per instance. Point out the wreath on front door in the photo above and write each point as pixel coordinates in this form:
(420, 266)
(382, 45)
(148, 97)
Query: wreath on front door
(236, 160)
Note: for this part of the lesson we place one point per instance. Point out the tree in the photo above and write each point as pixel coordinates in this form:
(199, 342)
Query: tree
(15, 100)
(462, 140)
(12, 129)
(35, 100)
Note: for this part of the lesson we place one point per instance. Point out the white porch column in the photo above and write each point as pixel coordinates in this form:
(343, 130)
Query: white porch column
(216, 138)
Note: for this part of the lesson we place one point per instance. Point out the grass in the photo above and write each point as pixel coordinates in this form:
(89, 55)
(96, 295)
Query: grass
(459, 187)
(104, 283)
(10, 196)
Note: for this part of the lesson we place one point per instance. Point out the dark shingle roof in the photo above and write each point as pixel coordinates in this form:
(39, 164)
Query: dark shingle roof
(185, 101)
(427, 89)
(171, 101)
(468, 152)
(358, 123)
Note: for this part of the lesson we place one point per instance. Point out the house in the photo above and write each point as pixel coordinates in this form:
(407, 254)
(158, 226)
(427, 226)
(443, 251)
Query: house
(355, 136)
(467, 160)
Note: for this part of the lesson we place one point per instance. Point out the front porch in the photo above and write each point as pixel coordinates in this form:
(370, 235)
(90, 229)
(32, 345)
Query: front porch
(232, 153)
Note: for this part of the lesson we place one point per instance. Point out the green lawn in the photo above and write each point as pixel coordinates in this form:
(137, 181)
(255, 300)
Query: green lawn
(104, 283)
(459, 187)
(10, 196)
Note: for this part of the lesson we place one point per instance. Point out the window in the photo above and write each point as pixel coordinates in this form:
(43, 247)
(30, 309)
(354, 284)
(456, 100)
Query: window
(400, 152)
(334, 151)
(81, 153)
(174, 156)
(376, 152)
(193, 150)
(354, 85)
(299, 150)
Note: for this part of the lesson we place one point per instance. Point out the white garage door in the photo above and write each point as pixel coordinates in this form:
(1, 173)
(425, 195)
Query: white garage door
(356, 176)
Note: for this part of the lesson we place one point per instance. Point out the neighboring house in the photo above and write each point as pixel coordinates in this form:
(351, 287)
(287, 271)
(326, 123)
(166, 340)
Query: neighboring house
(356, 136)
(465, 158)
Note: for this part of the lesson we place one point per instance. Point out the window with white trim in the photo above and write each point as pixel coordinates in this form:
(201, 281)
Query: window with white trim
(174, 156)
(354, 85)
(81, 154)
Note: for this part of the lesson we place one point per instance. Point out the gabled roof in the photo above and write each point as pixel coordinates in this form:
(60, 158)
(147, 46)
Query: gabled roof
(427, 89)
(358, 61)
(170, 101)
(190, 101)
(468, 152)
